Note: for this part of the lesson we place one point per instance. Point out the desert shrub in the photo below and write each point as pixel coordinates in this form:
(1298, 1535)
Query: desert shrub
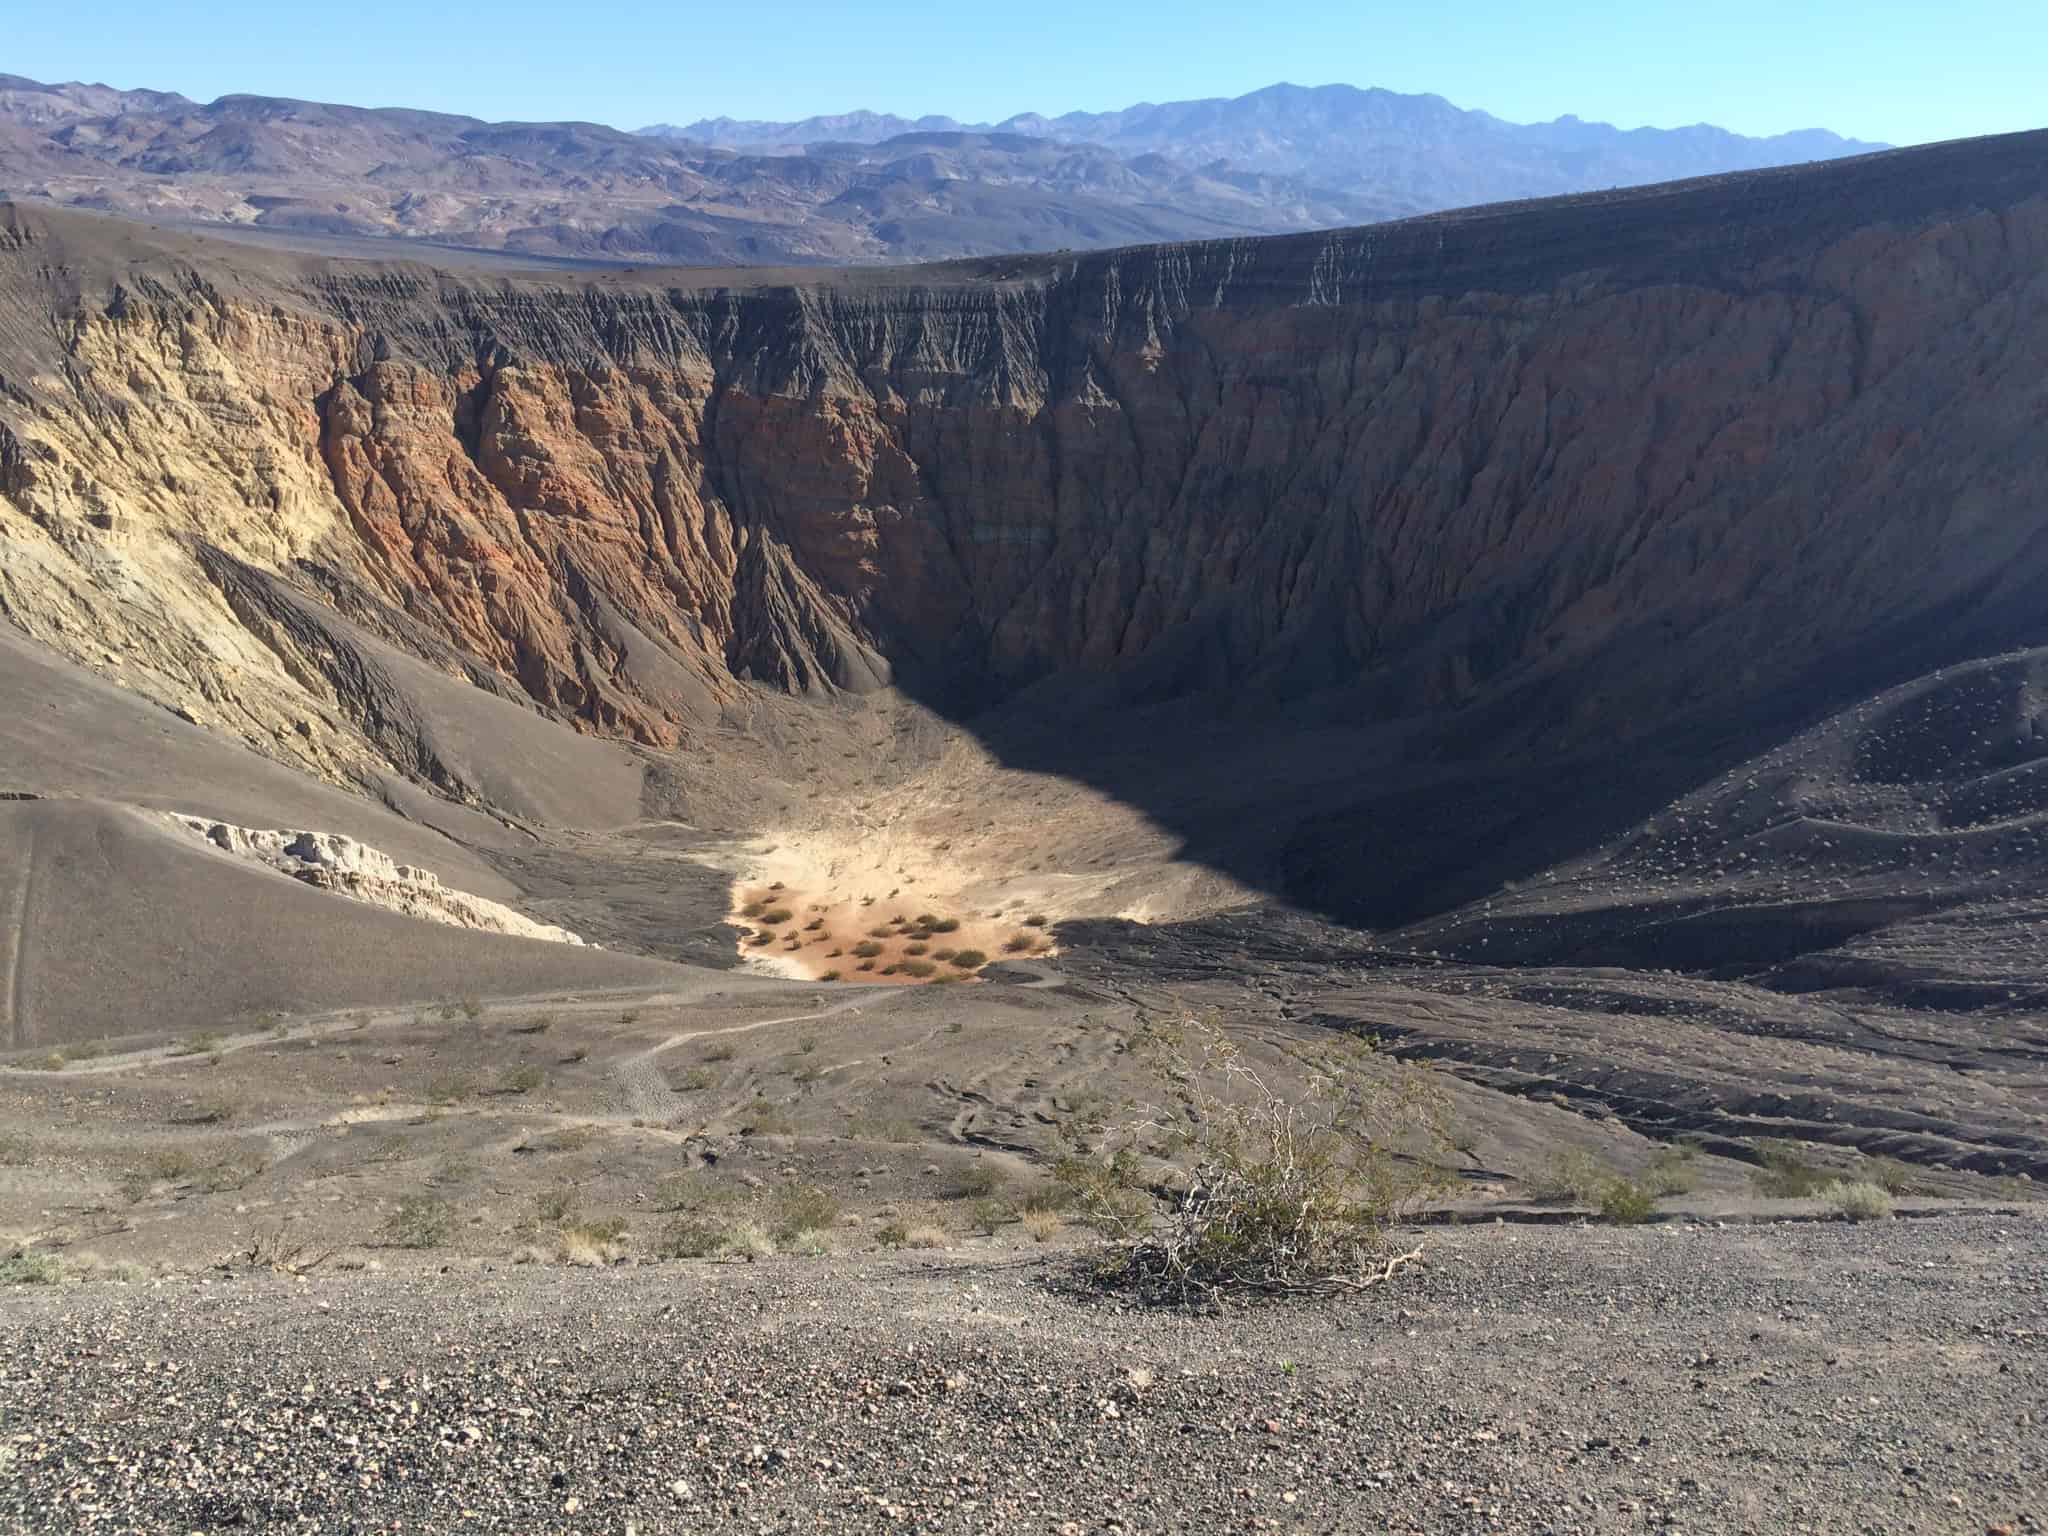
(944, 954)
(881, 931)
(777, 915)
(891, 970)
(1574, 1175)
(916, 949)
(1044, 1197)
(865, 965)
(696, 1080)
(26, 1266)
(16, 1150)
(472, 1009)
(807, 1044)
(1042, 1226)
(814, 925)
(867, 949)
(969, 959)
(521, 1079)
(420, 1222)
(1785, 1175)
(570, 1058)
(1019, 943)
(554, 1206)
(197, 1045)
(629, 1016)
(803, 1208)
(954, 1026)
(450, 1012)
(985, 1216)
(1035, 920)
(763, 1118)
(829, 976)
(763, 937)
(926, 1237)
(918, 968)
(1859, 1200)
(945, 925)
(1671, 1172)
(448, 1088)
(202, 1112)
(720, 1050)
(973, 1180)
(1285, 1193)
(753, 909)
(570, 1138)
(690, 1237)
(1892, 1176)
(893, 1233)
(539, 1024)
(1626, 1203)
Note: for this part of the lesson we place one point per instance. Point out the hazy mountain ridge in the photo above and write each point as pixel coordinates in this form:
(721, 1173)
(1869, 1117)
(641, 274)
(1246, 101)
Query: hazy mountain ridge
(860, 187)
(1420, 146)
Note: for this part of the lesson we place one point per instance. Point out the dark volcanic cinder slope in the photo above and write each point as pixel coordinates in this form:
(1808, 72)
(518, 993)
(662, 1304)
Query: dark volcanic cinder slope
(1440, 549)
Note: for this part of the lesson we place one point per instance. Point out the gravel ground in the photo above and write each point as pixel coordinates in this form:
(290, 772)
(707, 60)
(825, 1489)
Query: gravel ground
(1790, 1377)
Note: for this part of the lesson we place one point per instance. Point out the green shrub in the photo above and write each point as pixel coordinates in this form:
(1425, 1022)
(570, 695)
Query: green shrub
(1671, 1172)
(1574, 1175)
(985, 1216)
(1019, 943)
(1785, 1175)
(720, 1050)
(696, 1080)
(829, 976)
(690, 1237)
(945, 925)
(1860, 1200)
(1035, 920)
(26, 1267)
(777, 915)
(867, 949)
(969, 960)
(1893, 1176)
(1626, 1203)
(918, 968)
(803, 1208)
(517, 1080)
(448, 1088)
(420, 1222)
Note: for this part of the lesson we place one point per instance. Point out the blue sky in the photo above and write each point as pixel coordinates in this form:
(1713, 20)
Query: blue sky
(1873, 69)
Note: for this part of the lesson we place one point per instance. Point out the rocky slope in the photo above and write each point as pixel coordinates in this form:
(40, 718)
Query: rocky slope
(1484, 498)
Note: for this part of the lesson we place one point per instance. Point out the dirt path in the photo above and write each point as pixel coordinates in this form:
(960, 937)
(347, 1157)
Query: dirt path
(644, 1087)
(14, 987)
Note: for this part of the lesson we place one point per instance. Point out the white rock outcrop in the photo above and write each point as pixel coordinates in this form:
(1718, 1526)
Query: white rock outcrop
(331, 862)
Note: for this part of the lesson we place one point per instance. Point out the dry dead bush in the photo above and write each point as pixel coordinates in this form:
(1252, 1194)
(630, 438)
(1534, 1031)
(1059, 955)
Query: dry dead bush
(1284, 1193)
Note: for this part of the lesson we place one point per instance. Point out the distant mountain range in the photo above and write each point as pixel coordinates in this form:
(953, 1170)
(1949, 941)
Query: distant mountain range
(861, 187)
(1416, 150)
